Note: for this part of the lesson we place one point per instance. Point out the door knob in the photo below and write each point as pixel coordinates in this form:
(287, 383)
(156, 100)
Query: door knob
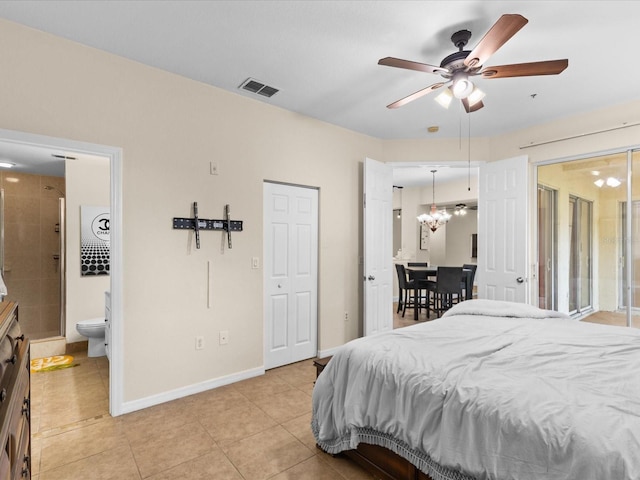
(371, 277)
(520, 280)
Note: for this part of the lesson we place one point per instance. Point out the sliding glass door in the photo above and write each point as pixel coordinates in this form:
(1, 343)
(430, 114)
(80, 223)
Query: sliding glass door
(632, 270)
(630, 229)
(589, 236)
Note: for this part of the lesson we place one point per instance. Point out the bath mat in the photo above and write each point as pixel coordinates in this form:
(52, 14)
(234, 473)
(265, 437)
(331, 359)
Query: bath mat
(56, 362)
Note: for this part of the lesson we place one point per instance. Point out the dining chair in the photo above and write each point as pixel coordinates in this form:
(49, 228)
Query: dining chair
(420, 278)
(406, 291)
(445, 290)
(467, 281)
(417, 275)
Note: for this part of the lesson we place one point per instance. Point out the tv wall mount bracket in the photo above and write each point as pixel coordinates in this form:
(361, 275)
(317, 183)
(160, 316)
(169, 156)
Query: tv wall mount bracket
(198, 224)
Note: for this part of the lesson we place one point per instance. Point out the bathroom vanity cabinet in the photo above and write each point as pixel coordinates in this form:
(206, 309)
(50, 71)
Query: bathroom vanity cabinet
(15, 397)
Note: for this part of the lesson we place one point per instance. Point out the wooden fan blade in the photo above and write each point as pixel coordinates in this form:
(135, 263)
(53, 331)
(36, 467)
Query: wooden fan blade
(549, 67)
(408, 64)
(416, 95)
(471, 108)
(505, 28)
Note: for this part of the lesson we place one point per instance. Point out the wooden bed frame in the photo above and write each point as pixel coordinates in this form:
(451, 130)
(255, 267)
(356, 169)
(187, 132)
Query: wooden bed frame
(383, 464)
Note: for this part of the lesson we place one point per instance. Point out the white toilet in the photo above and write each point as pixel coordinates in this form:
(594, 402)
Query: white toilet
(93, 329)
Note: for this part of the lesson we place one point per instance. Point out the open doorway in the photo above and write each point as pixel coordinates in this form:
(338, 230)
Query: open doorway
(456, 191)
(113, 156)
(43, 194)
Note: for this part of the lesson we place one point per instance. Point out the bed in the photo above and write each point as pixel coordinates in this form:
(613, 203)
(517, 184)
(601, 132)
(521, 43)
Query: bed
(492, 390)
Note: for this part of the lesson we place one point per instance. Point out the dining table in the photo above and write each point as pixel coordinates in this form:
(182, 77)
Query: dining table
(432, 271)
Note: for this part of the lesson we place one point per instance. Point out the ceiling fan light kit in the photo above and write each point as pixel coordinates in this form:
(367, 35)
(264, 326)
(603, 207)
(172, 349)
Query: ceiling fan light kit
(476, 96)
(462, 86)
(445, 98)
(458, 67)
(461, 209)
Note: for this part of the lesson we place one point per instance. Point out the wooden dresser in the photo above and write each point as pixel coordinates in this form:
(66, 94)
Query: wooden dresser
(15, 398)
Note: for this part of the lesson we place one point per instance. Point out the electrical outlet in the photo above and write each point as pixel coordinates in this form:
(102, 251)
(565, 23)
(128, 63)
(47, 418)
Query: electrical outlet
(224, 337)
(213, 168)
(255, 262)
(199, 343)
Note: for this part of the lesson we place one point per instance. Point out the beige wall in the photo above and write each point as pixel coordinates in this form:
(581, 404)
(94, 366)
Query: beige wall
(170, 128)
(573, 135)
(88, 183)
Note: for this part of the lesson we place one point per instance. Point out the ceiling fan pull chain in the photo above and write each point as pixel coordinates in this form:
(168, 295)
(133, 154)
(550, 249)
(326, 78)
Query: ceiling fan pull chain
(469, 156)
(460, 126)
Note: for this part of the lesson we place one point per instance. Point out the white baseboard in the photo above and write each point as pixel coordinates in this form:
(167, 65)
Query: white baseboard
(134, 405)
(329, 352)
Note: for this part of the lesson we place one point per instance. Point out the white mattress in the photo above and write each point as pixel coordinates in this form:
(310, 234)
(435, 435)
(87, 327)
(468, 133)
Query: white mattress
(492, 390)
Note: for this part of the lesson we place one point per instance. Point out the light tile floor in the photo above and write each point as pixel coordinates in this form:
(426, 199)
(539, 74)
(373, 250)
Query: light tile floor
(254, 429)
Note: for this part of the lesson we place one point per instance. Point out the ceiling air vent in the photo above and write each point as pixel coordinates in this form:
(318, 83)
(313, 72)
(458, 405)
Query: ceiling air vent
(254, 86)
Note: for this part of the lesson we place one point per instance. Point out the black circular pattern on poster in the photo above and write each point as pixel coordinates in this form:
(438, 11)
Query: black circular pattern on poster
(94, 257)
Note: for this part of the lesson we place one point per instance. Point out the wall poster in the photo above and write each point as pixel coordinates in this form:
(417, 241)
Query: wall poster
(94, 240)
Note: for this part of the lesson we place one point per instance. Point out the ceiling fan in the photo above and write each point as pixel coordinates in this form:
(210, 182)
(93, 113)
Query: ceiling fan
(459, 67)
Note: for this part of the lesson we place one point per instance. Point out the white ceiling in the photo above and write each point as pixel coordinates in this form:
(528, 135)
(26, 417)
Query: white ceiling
(412, 174)
(32, 159)
(323, 55)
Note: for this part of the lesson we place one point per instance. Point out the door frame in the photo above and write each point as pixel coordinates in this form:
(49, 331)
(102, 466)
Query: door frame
(115, 157)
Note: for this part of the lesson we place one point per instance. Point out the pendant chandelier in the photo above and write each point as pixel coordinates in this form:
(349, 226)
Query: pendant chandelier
(435, 218)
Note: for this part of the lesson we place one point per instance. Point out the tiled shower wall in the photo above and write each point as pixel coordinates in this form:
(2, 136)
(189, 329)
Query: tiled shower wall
(31, 272)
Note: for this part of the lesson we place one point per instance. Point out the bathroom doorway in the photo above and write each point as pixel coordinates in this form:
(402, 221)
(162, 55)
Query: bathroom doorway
(45, 193)
(113, 157)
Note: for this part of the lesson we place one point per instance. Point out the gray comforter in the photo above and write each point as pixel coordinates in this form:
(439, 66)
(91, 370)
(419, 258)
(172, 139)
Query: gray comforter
(492, 390)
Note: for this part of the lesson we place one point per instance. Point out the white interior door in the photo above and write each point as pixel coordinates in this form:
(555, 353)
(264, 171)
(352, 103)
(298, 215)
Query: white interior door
(290, 273)
(378, 237)
(503, 230)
